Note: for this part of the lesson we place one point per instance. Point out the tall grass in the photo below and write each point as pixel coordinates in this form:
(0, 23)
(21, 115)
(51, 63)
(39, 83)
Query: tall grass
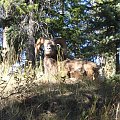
(25, 96)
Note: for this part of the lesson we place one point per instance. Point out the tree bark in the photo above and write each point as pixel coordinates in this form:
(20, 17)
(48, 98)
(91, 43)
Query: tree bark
(117, 57)
(30, 50)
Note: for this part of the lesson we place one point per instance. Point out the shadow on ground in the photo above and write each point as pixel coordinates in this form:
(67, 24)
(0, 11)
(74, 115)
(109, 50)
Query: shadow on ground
(79, 101)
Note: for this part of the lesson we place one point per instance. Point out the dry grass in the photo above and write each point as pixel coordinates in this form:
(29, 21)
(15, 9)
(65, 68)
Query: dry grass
(31, 96)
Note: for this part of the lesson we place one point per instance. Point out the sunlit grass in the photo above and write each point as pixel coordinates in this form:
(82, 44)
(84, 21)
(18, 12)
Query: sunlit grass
(26, 95)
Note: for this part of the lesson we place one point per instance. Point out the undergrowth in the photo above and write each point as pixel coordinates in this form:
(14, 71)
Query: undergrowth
(25, 97)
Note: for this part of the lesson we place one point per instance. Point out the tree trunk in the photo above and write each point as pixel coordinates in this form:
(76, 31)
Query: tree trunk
(30, 50)
(108, 65)
(118, 57)
(5, 46)
(4, 43)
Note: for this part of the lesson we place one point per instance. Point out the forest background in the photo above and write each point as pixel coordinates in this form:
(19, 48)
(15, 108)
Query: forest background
(91, 28)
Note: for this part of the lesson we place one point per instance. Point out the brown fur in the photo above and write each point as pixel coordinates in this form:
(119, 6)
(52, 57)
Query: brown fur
(38, 44)
(91, 69)
(50, 53)
(54, 41)
(80, 69)
(74, 68)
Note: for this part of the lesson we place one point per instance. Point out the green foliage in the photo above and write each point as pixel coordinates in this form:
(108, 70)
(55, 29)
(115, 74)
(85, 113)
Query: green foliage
(90, 28)
(16, 37)
(95, 22)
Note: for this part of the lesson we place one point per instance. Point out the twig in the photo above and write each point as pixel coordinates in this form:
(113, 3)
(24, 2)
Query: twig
(117, 111)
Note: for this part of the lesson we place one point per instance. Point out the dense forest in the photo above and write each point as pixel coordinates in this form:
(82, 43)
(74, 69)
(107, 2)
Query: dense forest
(91, 30)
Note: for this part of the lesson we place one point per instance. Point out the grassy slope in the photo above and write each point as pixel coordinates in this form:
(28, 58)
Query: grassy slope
(23, 97)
